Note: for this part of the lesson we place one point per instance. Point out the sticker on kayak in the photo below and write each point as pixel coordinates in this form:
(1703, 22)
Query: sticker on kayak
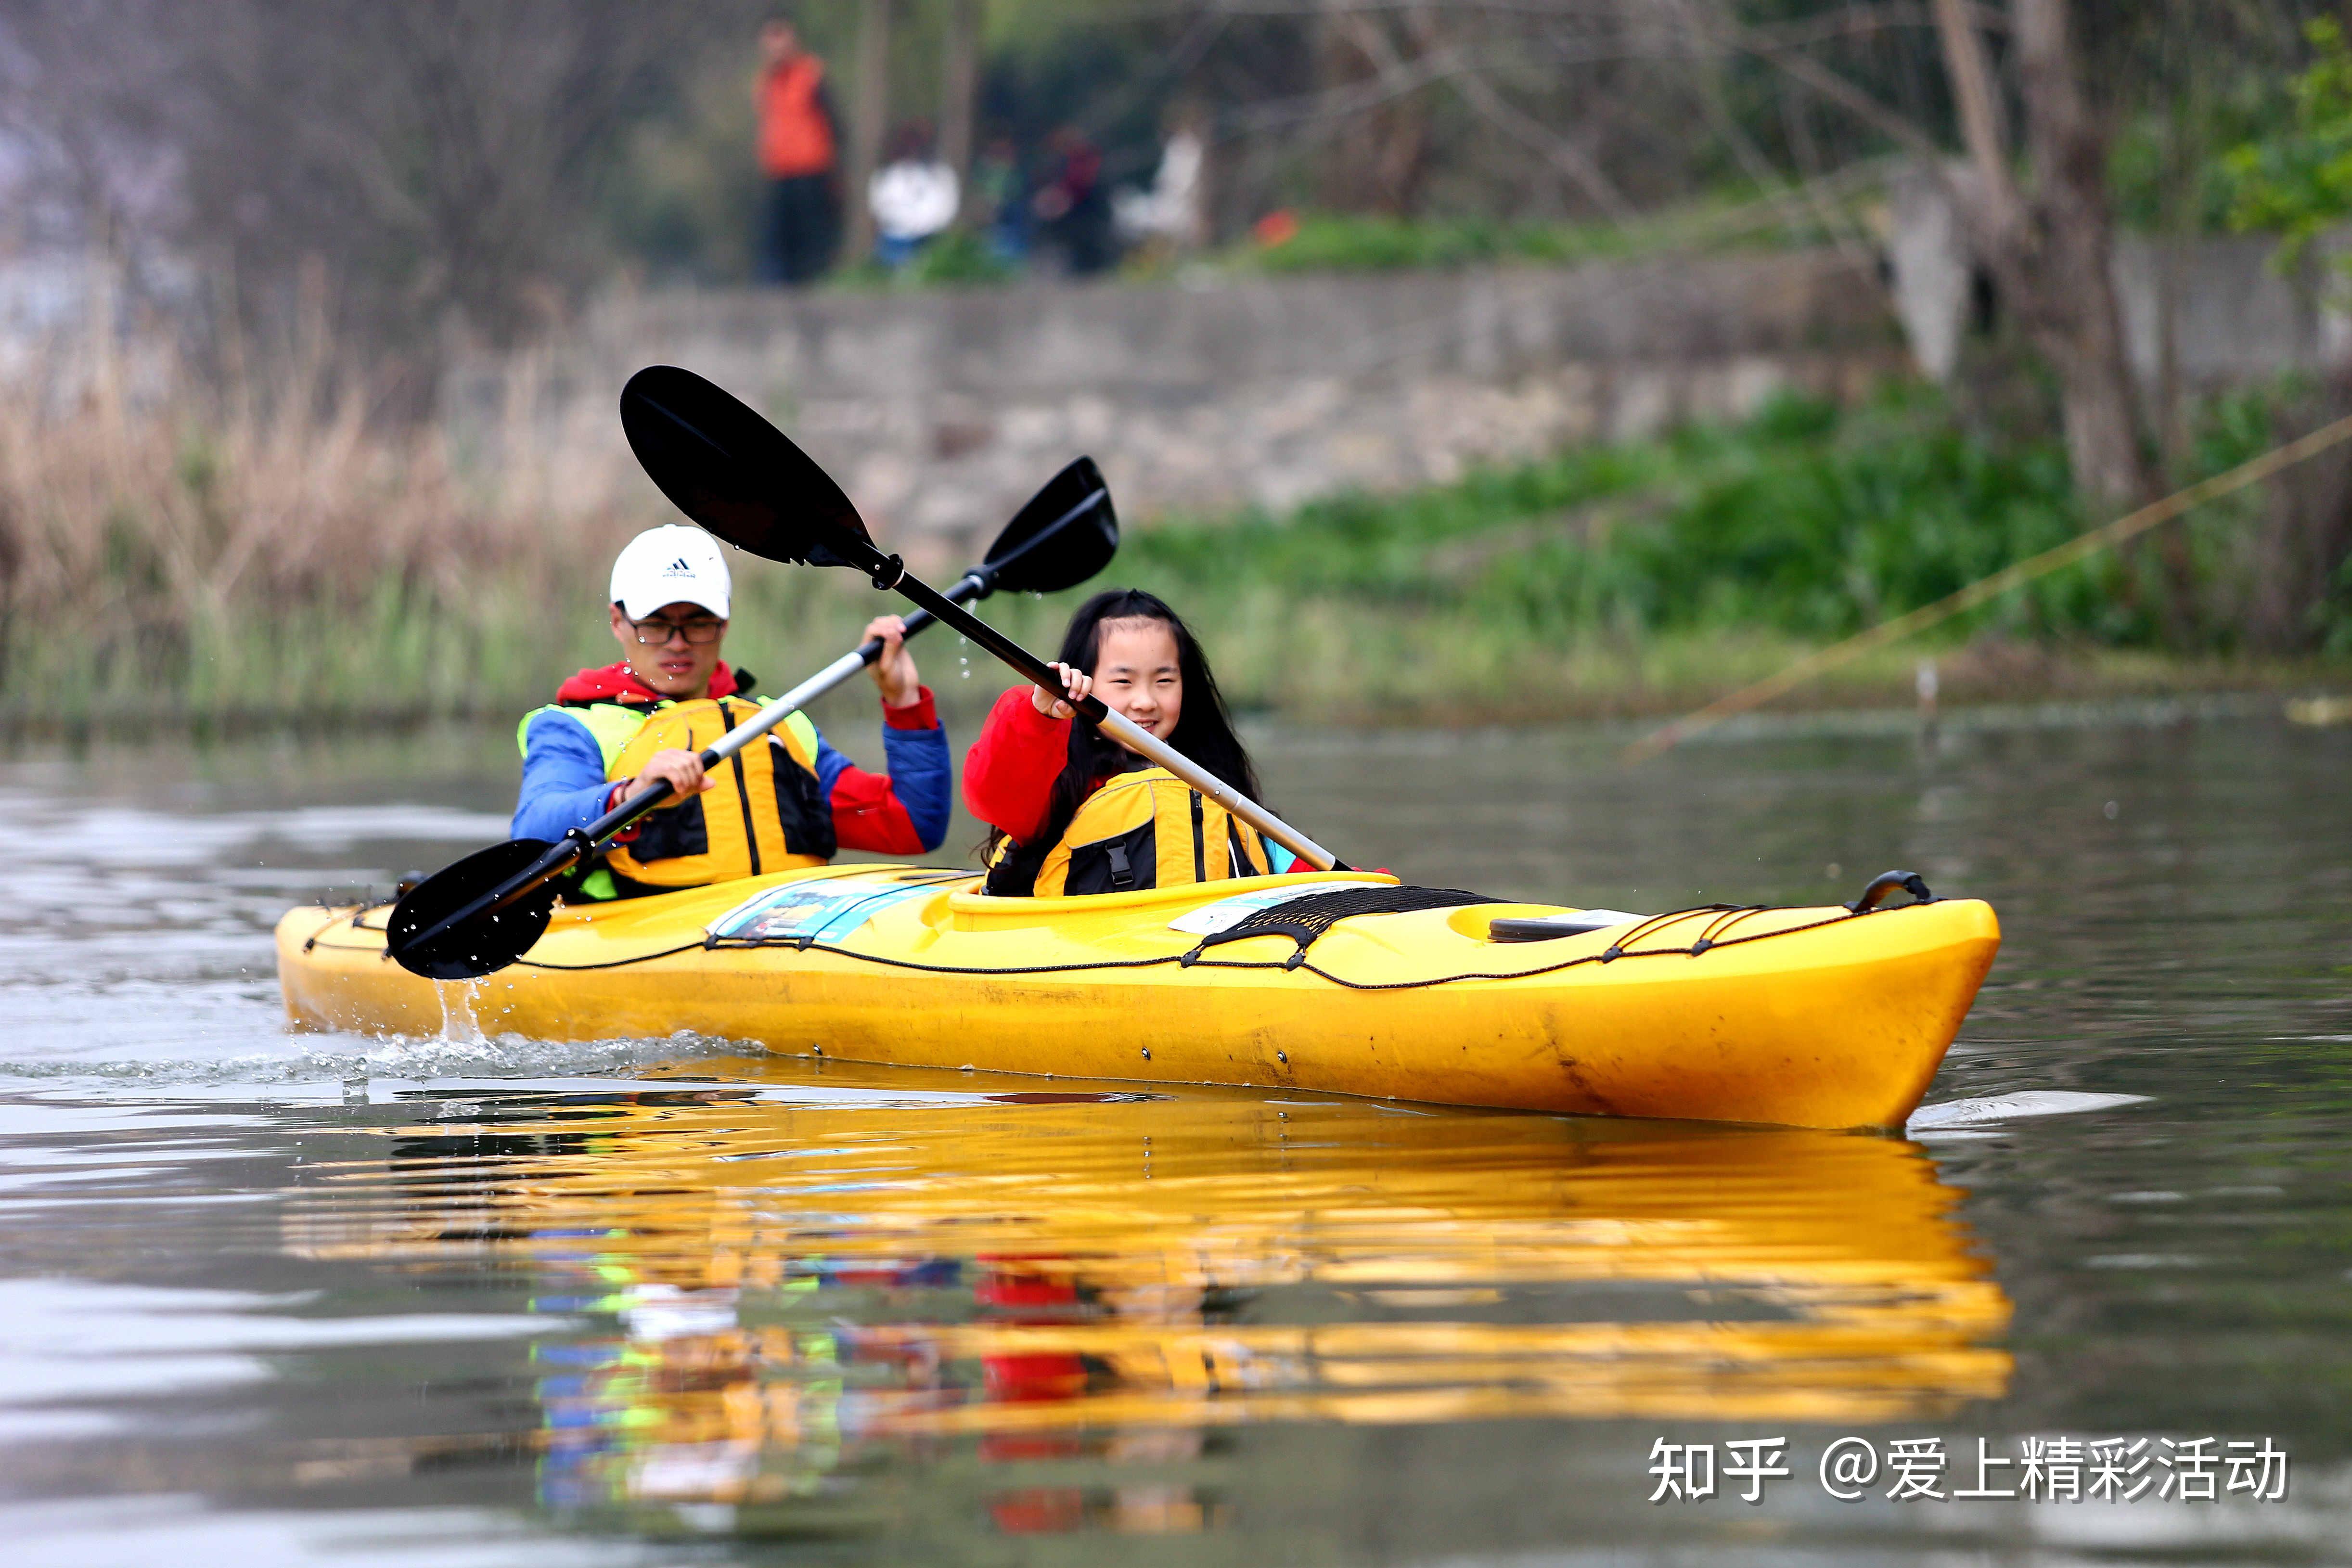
(1211, 918)
(804, 912)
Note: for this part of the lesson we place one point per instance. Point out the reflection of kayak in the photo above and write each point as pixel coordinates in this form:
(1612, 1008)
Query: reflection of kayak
(795, 1256)
(1807, 1016)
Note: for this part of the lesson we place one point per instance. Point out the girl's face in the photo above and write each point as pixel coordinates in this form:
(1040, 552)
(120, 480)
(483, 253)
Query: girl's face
(1136, 672)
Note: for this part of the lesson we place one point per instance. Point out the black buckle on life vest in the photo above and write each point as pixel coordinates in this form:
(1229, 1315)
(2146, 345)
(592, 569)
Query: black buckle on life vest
(1122, 875)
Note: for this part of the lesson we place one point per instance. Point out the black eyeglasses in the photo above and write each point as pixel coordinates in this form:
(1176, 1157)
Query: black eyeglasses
(653, 631)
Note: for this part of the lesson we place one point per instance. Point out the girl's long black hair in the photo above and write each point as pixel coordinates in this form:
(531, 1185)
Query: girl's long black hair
(1204, 730)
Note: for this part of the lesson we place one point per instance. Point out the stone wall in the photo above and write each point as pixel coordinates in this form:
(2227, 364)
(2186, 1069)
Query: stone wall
(2230, 316)
(940, 410)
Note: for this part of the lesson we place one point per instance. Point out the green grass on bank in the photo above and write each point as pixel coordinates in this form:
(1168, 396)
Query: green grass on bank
(1629, 577)
(1310, 241)
(1313, 241)
(1639, 576)
(495, 643)
(1371, 242)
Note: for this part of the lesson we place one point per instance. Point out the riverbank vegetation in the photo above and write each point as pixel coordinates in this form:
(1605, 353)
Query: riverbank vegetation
(243, 528)
(276, 558)
(1637, 577)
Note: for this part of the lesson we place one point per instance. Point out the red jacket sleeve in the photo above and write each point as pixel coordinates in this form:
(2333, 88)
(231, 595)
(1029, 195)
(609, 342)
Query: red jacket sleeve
(868, 815)
(1009, 773)
(868, 812)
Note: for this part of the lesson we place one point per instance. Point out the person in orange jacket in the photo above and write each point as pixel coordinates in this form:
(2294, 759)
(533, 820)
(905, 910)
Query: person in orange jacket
(799, 147)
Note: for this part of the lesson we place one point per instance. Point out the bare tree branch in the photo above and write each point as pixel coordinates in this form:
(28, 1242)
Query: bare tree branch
(1835, 89)
(1982, 125)
(1562, 154)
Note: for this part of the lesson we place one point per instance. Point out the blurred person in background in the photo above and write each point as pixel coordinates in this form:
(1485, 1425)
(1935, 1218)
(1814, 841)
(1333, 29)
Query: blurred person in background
(1000, 200)
(1169, 212)
(1072, 206)
(799, 149)
(913, 197)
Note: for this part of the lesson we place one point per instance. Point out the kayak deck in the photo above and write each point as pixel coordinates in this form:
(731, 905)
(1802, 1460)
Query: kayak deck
(1802, 1016)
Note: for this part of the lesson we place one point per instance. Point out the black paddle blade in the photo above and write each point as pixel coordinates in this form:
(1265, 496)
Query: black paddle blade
(737, 475)
(1080, 534)
(479, 946)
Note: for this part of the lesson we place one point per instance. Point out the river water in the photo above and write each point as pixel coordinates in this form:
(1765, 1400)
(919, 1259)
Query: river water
(276, 1297)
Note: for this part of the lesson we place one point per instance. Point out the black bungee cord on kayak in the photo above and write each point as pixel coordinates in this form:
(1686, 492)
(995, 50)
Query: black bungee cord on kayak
(1714, 936)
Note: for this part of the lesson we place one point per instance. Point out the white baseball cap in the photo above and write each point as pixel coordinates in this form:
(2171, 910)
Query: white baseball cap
(668, 566)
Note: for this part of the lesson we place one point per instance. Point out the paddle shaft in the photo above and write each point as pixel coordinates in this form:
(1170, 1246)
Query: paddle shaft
(1118, 725)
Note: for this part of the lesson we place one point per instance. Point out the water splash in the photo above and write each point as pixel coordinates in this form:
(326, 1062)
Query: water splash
(507, 1056)
(459, 1026)
(2011, 1107)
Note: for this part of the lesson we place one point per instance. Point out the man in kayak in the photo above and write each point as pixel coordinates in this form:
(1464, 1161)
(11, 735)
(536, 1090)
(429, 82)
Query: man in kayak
(615, 732)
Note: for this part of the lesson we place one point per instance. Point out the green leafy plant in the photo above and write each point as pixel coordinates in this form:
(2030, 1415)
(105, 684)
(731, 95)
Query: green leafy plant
(1686, 562)
(957, 255)
(2298, 183)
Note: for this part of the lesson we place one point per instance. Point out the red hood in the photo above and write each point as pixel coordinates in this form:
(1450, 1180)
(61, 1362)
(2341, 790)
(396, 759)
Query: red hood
(616, 683)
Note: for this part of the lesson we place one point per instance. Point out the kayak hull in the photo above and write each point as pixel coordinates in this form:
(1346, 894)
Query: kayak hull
(1804, 1017)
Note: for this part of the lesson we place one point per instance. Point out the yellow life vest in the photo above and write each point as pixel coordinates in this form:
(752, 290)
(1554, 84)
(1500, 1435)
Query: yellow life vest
(765, 810)
(1149, 829)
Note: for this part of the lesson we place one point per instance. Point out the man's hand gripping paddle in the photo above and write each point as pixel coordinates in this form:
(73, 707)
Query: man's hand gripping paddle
(740, 477)
(483, 912)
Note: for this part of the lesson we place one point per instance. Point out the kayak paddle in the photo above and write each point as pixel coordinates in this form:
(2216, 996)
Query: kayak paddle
(743, 479)
(481, 914)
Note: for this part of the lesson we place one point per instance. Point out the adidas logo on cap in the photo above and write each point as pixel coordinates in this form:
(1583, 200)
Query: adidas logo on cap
(678, 568)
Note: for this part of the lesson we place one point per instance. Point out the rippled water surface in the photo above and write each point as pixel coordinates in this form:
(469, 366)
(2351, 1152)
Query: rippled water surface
(276, 1297)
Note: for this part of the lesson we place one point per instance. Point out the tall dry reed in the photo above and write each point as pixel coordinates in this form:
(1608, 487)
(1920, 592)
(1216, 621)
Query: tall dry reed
(258, 543)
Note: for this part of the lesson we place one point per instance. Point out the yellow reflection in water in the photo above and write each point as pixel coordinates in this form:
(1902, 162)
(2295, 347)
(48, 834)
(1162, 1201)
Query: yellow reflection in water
(782, 1271)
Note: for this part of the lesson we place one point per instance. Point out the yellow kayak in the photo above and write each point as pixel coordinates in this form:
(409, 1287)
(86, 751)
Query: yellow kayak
(1815, 1018)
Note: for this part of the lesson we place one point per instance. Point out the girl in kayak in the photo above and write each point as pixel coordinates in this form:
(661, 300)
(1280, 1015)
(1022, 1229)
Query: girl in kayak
(1072, 811)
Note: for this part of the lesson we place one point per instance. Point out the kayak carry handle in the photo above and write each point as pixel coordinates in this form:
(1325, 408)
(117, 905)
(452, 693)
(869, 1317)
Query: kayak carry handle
(1887, 883)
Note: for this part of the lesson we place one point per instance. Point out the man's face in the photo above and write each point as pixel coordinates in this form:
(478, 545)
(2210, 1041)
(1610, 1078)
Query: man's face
(779, 42)
(662, 652)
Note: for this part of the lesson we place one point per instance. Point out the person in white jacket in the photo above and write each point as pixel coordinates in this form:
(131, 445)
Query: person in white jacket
(913, 198)
(1171, 208)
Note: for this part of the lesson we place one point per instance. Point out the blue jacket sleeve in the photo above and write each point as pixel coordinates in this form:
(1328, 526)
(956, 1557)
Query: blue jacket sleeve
(924, 775)
(564, 782)
(921, 777)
